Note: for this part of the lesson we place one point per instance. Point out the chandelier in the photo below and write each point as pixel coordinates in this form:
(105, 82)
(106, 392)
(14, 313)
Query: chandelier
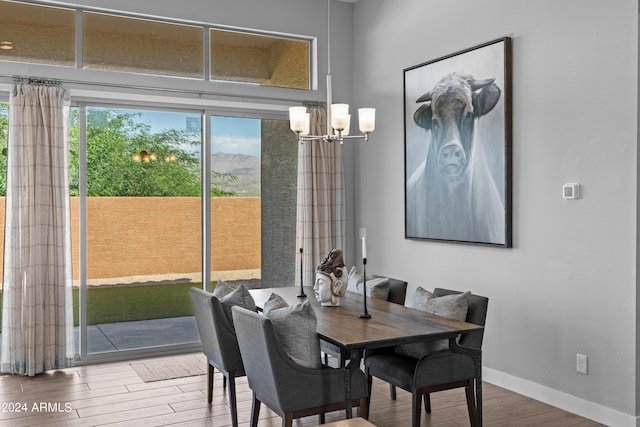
(338, 117)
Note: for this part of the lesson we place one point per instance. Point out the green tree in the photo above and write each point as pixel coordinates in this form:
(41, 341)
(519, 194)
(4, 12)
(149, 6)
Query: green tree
(114, 139)
(124, 158)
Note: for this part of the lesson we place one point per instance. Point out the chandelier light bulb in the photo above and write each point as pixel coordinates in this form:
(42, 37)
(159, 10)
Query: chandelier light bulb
(339, 116)
(367, 119)
(298, 119)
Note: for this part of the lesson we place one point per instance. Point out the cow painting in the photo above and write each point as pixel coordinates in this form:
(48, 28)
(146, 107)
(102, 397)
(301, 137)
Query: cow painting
(452, 194)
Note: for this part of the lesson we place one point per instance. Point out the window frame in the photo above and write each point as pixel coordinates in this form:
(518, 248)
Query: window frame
(206, 57)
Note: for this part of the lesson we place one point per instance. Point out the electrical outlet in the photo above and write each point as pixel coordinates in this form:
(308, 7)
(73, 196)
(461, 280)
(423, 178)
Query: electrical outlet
(581, 364)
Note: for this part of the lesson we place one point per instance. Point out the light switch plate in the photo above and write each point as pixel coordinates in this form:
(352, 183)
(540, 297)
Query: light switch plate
(571, 191)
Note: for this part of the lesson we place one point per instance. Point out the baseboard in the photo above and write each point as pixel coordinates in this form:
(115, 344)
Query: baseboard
(559, 399)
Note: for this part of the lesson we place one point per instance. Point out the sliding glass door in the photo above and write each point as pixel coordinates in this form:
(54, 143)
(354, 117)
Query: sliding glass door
(253, 204)
(137, 219)
(235, 199)
(143, 227)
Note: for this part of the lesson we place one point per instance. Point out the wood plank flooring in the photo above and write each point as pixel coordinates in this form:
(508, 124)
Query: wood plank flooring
(112, 394)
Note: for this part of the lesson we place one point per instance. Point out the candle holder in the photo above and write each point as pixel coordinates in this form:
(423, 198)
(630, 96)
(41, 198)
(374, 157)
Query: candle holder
(301, 294)
(365, 314)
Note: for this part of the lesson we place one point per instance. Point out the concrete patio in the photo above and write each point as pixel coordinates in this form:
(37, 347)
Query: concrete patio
(139, 334)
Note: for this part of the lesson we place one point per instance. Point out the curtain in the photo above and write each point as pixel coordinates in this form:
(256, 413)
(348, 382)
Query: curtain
(320, 219)
(37, 312)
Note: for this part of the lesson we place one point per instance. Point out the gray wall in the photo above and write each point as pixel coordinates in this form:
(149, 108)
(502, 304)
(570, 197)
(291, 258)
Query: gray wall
(279, 166)
(569, 283)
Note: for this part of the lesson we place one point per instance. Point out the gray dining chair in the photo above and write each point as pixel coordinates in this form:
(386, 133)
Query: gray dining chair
(219, 345)
(442, 370)
(287, 388)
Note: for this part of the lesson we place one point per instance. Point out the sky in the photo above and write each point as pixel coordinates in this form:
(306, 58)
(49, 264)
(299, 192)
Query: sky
(232, 135)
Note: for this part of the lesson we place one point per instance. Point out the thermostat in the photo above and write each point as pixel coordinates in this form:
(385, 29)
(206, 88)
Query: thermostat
(571, 191)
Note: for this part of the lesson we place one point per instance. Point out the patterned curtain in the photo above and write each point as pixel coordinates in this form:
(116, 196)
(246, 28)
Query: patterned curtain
(320, 219)
(37, 314)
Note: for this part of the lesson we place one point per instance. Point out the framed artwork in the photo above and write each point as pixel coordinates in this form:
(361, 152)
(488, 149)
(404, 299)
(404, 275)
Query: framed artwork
(457, 129)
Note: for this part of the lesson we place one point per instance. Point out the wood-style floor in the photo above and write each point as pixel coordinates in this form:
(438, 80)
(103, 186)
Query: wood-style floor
(112, 394)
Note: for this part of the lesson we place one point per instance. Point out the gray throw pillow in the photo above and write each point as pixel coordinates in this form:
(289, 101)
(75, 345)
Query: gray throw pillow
(295, 327)
(354, 278)
(420, 298)
(241, 297)
(377, 287)
(453, 306)
(274, 302)
(222, 289)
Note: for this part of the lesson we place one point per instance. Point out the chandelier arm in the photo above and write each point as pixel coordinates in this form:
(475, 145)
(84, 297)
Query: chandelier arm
(332, 138)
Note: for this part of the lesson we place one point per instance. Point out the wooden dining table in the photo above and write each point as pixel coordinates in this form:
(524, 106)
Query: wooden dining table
(389, 325)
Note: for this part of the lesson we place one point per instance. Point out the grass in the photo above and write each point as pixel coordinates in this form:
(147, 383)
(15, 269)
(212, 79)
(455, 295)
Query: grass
(111, 304)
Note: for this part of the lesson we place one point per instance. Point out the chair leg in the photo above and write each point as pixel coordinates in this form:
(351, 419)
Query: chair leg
(287, 420)
(232, 399)
(392, 391)
(471, 402)
(363, 409)
(321, 419)
(224, 382)
(255, 411)
(427, 403)
(369, 386)
(416, 406)
(209, 383)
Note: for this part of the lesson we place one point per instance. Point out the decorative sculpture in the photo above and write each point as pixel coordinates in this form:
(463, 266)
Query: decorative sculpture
(330, 283)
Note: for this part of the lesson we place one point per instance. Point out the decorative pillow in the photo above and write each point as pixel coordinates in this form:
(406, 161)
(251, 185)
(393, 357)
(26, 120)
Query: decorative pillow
(240, 296)
(295, 327)
(355, 277)
(222, 289)
(377, 287)
(274, 302)
(454, 306)
(420, 298)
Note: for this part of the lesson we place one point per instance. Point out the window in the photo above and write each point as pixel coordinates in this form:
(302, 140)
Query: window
(44, 35)
(143, 226)
(47, 35)
(141, 46)
(253, 231)
(262, 60)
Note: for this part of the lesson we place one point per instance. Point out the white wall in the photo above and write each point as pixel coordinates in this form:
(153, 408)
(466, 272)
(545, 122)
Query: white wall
(568, 285)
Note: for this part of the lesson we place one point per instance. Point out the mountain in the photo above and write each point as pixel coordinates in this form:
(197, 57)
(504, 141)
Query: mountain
(245, 168)
(235, 164)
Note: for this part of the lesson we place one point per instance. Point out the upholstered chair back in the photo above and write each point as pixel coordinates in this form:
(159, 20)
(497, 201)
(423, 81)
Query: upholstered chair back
(476, 314)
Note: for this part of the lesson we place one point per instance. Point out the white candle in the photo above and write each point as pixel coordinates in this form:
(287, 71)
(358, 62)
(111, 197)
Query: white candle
(364, 247)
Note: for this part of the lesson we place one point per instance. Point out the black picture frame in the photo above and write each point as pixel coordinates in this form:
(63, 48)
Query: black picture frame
(457, 130)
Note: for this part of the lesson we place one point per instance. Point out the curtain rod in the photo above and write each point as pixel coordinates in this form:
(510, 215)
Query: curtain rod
(37, 81)
(320, 104)
(198, 93)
